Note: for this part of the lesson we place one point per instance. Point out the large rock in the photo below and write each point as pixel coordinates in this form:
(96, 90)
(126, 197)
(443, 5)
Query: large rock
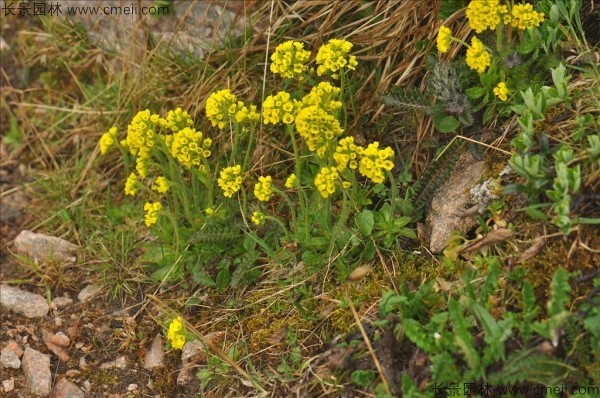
(449, 202)
(22, 302)
(36, 367)
(44, 248)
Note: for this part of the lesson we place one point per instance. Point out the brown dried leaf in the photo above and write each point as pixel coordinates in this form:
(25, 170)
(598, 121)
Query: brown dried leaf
(532, 250)
(495, 236)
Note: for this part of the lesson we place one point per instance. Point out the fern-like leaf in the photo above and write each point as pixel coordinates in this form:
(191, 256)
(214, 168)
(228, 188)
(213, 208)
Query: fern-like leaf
(408, 99)
(422, 191)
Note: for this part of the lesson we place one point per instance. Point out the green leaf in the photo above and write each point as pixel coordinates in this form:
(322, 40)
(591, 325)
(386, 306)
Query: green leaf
(475, 92)
(446, 124)
(527, 46)
(363, 378)
(223, 279)
(202, 278)
(560, 289)
(365, 222)
(415, 333)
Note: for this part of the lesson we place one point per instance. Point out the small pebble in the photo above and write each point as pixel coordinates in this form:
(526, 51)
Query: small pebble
(132, 387)
(8, 385)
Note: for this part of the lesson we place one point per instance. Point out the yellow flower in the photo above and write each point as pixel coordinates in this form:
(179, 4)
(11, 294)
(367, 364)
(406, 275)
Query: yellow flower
(485, 14)
(279, 108)
(152, 210)
(141, 165)
(333, 57)
(347, 153)
(325, 181)
(209, 211)
(325, 96)
(374, 161)
(289, 60)
(222, 108)
(141, 132)
(175, 333)
(247, 115)
(258, 218)
(443, 39)
(161, 184)
(346, 185)
(501, 91)
(478, 58)
(189, 148)
(230, 180)
(178, 119)
(525, 17)
(263, 188)
(132, 184)
(318, 128)
(291, 181)
(108, 139)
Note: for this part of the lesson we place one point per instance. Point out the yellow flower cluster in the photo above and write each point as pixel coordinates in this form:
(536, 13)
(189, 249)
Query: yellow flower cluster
(325, 181)
(189, 148)
(161, 185)
(279, 108)
(247, 115)
(141, 165)
(478, 58)
(333, 57)
(230, 180)
(523, 16)
(141, 134)
(325, 96)
(318, 128)
(132, 185)
(291, 181)
(263, 188)
(108, 139)
(374, 160)
(501, 91)
(152, 210)
(444, 38)
(178, 119)
(258, 218)
(485, 14)
(289, 59)
(347, 154)
(175, 334)
(222, 108)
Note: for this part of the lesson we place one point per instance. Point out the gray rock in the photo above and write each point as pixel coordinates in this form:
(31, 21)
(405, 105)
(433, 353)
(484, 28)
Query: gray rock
(155, 355)
(88, 292)
(61, 302)
(9, 359)
(119, 363)
(44, 248)
(36, 367)
(24, 303)
(450, 200)
(65, 389)
(11, 205)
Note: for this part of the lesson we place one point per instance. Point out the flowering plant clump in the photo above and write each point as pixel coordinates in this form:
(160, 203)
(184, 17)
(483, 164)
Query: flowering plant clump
(478, 58)
(161, 184)
(175, 333)
(230, 180)
(289, 60)
(333, 57)
(189, 147)
(178, 119)
(347, 154)
(258, 218)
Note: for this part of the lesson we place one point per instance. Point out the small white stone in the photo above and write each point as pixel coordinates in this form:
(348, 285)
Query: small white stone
(132, 387)
(8, 385)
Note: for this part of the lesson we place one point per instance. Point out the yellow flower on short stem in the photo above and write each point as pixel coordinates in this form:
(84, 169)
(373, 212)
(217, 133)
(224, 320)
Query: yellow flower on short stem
(189, 147)
(291, 181)
(290, 59)
(263, 190)
(501, 91)
(152, 212)
(132, 185)
(230, 180)
(325, 181)
(444, 38)
(478, 58)
(258, 218)
(318, 128)
(279, 108)
(485, 14)
(333, 57)
(347, 154)
(161, 185)
(108, 139)
(178, 119)
(374, 161)
(325, 96)
(175, 334)
(222, 107)
(523, 16)
(209, 211)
